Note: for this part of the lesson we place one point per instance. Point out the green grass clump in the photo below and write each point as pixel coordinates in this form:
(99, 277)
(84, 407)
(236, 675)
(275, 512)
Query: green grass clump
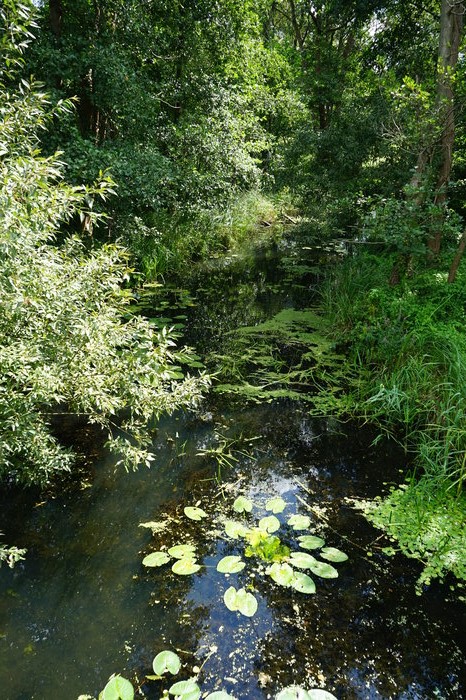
(407, 345)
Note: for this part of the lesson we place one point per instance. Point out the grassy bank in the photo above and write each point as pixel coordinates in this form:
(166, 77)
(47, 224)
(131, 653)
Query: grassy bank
(170, 243)
(407, 347)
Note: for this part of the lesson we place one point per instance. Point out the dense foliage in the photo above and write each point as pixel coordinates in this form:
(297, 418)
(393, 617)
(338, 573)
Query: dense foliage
(67, 342)
(202, 112)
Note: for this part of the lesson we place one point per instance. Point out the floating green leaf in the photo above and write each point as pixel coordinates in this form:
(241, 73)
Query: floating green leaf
(166, 661)
(242, 505)
(194, 513)
(270, 523)
(220, 695)
(234, 529)
(185, 566)
(299, 522)
(240, 600)
(318, 694)
(320, 568)
(303, 583)
(185, 690)
(311, 542)
(118, 688)
(333, 554)
(293, 692)
(281, 574)
(302, 560)
(182, 550)
(230, 565)
(156, 559)
(276, 505)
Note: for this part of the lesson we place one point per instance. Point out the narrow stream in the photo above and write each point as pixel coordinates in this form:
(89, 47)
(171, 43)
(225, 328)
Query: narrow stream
(82, 606)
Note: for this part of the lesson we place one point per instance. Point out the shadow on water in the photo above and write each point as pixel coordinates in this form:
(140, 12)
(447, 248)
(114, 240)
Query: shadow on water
(82, 606)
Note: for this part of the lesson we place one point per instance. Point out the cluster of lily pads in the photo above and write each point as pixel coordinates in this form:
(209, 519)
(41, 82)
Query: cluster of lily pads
(119, 688)
(285, 567)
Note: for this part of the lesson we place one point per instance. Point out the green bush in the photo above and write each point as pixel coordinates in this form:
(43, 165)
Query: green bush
(67, 342)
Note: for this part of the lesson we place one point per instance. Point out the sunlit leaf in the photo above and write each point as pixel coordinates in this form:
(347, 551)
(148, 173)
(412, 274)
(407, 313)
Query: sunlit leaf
(320, 568)
(118, 688)
(333, 554)
(240, 600)
(235, 529)
(299, 522)
(318, 694)
(230, 565)
(229, 598)
(156, 559)
(270, 523)
(185, 566)
(185, 690)
(293, 692)
(220, 695)
(303, 583)
(281, 574)
(166, 661)
(242, 505)
(247, 603)
(182, 550)
(311, 542)
(194, 513)
(276, 505)
(302, 560)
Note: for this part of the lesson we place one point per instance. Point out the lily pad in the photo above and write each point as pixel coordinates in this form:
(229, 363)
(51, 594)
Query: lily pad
(299, 522)
(281, 573)
(230, 565)
(240, 600)
(185, 690)
(242, 505)
(311, 542)
(318, 694)
(194, 513)
(182, 550)
(276, 505)
(234, 529)
(270, 523)
(118, 688)
(156, 559)
(185, 566)
(333, 554)
(220, 695)
(302, 560)
(293, 692)
(166, 661)
(320, 568)
(303, 583)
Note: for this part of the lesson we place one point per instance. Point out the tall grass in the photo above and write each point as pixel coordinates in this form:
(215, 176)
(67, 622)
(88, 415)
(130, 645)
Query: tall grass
(409, 347)
(168, 243)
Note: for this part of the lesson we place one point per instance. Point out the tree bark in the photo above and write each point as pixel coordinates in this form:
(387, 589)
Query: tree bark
(457, 259)
(56, 17)
(451, 26)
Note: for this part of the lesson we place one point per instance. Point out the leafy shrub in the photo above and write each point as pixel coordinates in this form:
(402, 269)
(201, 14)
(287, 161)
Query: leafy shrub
(67, 342)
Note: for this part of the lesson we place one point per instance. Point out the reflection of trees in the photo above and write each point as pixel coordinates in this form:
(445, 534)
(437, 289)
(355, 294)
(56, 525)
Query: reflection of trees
(361, 639)
(364, 635)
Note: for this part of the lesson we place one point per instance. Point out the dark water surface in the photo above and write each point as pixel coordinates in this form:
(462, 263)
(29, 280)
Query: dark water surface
(82, 606)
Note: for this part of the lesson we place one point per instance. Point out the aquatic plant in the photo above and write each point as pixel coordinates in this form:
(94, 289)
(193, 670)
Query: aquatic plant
(167, 661)
(257, 542)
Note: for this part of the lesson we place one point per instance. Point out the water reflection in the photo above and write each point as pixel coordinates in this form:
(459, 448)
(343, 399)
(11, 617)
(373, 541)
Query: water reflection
(82, 606)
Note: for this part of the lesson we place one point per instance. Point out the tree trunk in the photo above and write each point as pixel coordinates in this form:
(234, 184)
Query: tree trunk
(451, 26)
(56, 17)
(457, 259)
